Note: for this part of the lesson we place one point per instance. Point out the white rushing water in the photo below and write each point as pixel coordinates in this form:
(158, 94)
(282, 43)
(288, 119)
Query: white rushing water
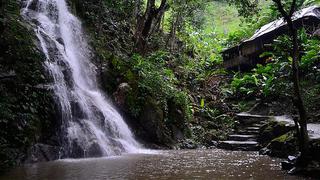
(90, 125)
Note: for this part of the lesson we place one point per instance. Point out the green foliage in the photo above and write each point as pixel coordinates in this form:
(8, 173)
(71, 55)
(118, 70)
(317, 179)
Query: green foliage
(310, 2)
(203, 50)
(246, 7)
(206, 46)
(26, 111)
(93, 10)
(246, 84)
(202, 103)
(221, 18)
(203, 40)
(156, 79)
(311, 55)
(243, 106)
(251, 22)
(186, 12)
(274, 78)
(271, 79)
(153, 76)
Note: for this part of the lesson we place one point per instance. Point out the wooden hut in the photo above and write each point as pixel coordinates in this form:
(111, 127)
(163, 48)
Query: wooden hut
(246, 55)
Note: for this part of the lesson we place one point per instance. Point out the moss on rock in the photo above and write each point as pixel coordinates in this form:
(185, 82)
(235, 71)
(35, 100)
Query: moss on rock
(26, 107)
(272, 130)
(283, 146)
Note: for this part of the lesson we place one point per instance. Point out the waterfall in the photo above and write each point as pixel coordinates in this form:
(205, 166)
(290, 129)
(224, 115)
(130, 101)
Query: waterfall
(91, 126)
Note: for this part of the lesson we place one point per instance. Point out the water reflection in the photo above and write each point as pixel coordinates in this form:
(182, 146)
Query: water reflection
(189, 164)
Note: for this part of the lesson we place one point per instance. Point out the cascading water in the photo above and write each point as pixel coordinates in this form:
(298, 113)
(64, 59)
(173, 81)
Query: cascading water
(90, 125)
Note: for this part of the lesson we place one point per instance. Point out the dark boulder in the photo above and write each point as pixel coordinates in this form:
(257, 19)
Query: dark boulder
(152, 121)
(315, 149)
(33, 5)
(94, 151)
(283, 146)
(177, 120)
(286, 165)
(187, 144)
(273, 130)
(42, 153)
(264, 151)
(121, 95)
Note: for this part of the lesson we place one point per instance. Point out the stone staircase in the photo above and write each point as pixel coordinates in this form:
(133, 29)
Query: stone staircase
(245, 134)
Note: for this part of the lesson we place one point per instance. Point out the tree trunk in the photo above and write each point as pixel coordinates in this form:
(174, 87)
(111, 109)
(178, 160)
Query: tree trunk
(298, 102)
(147, 24)
(137, 10)
(302, 131)
(173, 31)
(172, 35)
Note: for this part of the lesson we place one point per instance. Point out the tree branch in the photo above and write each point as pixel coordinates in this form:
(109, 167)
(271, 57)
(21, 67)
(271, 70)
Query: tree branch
(282, 10)
(292, 9)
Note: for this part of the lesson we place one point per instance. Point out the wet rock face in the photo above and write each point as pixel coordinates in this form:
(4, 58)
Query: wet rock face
(76, 152)
(33, 5)
(149, 123)
(93, 151)
(121, 94)
(42, 153)
(152, 120)
(77, 112)
(177, 120)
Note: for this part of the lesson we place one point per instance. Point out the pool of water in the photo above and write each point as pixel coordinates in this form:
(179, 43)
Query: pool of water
(184, 164)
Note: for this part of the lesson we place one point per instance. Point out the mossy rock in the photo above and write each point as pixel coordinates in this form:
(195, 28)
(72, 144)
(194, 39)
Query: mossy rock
(187, 144)
(152, 121)
(283, 146)
(272, 130)
(177, 120)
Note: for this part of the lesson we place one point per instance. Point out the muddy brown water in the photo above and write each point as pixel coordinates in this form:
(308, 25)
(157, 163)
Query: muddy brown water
(183, 164)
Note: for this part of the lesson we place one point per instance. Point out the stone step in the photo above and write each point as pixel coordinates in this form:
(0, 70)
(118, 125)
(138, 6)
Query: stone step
(253, 128)
(254, 125)
(258, 124)
(250, 122)
(246, 118)
(241, 137)
(247, 115)
(248, 132)
(245, 135)
(239, 145)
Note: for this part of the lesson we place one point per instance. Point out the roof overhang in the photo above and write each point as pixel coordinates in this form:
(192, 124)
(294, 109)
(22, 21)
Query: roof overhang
(312, 12)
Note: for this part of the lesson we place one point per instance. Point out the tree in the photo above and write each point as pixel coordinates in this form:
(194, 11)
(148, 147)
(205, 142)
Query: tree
(183, 12)
(148, 23)
(301, 123)
(245, 7)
